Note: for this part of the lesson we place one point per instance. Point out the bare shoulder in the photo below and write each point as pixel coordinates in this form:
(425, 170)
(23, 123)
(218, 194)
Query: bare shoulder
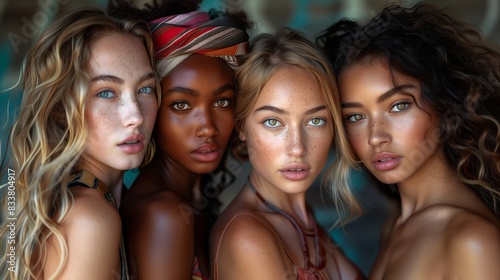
(91, 214)
(246, 244)
(474, 246)
(161, 208)
(92, 232)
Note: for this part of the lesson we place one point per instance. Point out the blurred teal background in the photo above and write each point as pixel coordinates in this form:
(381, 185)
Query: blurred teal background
(21, 20)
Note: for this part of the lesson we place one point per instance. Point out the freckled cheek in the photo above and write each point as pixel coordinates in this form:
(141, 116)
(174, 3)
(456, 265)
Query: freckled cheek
(102, 122)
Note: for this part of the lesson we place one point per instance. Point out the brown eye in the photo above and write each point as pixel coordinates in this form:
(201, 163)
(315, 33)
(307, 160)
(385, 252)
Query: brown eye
(222, 103)
(180, 106)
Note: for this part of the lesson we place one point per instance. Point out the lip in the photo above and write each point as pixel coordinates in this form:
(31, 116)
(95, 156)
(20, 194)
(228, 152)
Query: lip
(207, 152)
(385, 161)
(296, 171)
(132, 144)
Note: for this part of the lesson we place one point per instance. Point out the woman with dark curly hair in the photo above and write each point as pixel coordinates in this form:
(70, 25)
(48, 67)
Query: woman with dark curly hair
(420, 94)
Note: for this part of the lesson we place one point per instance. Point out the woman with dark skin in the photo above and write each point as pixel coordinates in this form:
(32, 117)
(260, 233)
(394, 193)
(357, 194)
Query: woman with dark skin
(420, 93)
(165, 213)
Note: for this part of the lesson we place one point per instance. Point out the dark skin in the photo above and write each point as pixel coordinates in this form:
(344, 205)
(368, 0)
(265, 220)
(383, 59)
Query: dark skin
(165, 225)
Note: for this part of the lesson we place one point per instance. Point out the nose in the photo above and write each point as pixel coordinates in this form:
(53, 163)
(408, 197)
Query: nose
(205, 126)
(297, 142)
(379, 134)
(133, 115)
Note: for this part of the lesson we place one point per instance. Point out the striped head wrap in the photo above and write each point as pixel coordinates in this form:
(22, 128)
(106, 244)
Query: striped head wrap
(177, 37)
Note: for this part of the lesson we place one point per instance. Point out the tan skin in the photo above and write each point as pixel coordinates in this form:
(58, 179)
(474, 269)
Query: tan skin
(165, 223)
(120, 104)
(444, 231)
(287, 129)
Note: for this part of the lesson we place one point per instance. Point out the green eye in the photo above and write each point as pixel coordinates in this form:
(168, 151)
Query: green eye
(317, 122)
(271, 122)
(355, 118)
(400, 107)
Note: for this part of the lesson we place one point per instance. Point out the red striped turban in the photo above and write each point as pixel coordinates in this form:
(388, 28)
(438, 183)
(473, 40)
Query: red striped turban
(178, 36)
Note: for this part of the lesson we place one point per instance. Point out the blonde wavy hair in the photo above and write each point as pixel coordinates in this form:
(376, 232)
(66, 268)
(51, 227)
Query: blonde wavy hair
(49, 135)
(268, 54)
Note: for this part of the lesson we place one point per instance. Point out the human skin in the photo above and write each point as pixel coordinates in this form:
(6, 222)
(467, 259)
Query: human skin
(444, 231)
(163, 213)
(288, 138)
(120, 107)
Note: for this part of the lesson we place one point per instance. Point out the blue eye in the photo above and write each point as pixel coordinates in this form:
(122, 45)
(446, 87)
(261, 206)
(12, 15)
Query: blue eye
(106, 94)
(399, 107)
(317, 122)
(180, 106)
(271, 123)
(147, 89)
(354, 118)
(222, 103)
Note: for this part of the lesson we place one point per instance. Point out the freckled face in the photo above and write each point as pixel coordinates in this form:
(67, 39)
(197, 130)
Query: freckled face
(287, 132)
(196, 116)
(121, 105)
(394, 137)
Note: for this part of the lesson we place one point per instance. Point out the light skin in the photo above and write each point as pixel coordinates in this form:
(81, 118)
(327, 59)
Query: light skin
(449, 231)
(120, 111)
(165, 222)
(288, 135)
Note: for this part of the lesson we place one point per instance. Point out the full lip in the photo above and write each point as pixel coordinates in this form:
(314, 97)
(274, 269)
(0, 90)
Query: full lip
(385, 161)
(295, 171)
(207, 152)
(134, 138)
(133, 144)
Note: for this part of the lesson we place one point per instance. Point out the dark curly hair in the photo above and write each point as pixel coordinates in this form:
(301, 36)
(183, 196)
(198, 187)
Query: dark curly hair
(459, 74)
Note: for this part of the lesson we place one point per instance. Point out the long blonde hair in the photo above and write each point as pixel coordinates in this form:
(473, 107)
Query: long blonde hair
(270, 53)
(49, 135)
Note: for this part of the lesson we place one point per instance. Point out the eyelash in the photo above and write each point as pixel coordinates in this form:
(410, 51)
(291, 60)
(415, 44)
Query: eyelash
(266, 122)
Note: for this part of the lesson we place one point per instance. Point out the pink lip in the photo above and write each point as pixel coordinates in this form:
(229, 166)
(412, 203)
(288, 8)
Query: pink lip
(207, 152)
(132, 144)
(385, 161)
(296, 171)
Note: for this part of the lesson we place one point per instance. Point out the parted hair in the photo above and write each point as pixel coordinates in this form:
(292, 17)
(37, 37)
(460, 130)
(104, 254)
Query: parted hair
(49, 135)
(287, 48)
(459, 75)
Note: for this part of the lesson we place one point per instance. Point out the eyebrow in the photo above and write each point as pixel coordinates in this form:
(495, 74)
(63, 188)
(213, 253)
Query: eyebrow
(114, 79)
(195, 93)
(281, 111)
(386, 95)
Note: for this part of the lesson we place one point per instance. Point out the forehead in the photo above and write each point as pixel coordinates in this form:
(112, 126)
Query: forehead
(118, 52)
(291, 84)
(371, 78)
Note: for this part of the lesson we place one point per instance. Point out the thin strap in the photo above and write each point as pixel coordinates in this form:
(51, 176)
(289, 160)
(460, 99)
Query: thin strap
(320, 256)
(86, 179)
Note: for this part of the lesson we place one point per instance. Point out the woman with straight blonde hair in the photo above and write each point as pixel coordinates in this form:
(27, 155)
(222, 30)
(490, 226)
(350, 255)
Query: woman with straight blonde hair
(288, 119)
(87, 113)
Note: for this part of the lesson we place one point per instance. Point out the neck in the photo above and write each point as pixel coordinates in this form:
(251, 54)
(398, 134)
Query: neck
(294, 204)
(176, 177)
(434, 184)
(111, 178)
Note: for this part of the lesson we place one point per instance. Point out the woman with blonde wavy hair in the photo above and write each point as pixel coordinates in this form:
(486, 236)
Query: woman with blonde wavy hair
(420, 97)
(87, 113)
(288, 119)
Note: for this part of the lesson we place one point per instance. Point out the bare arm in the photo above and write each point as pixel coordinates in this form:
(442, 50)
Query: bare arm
(249, 249)
(160, 239)
(92, 232)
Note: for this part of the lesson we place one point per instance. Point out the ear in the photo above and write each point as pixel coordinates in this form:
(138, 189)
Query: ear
(242, 136)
